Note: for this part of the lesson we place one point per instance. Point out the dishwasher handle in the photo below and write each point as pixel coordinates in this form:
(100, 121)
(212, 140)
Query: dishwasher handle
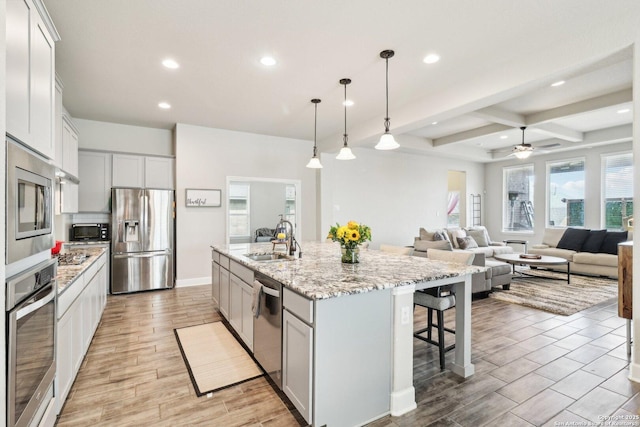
(271, 292)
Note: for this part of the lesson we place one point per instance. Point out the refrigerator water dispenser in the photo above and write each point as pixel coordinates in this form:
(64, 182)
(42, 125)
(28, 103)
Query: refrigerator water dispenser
(131, 231)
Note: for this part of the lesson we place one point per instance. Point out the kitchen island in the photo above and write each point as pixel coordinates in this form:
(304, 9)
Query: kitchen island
(354, 325)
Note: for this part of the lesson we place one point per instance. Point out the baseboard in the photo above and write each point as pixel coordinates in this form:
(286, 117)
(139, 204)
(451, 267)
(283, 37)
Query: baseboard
(196, 281)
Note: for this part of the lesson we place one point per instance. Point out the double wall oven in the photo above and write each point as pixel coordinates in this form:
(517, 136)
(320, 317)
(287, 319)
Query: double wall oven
(31, 330)
(30, 311)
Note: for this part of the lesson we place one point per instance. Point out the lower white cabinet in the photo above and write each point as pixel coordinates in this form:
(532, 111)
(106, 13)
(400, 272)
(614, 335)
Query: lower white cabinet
(297, 356)
(240, 313)
(215, 282)
(224, 292)
(77, 323)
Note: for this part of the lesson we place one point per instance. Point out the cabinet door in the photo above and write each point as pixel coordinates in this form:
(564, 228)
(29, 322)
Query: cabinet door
(19, 21)
(94, 172)
(69, 148)
(235, 303)
(69, 197)
(158, 173)
(42, 90)
(297, 374)
(128, 171)
(77, 342)
(247, 315)
(215, 282)
(64, 359)
(224, 292)
(57, 117)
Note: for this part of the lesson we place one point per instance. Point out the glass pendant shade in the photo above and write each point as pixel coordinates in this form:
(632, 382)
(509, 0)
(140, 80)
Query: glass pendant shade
(523, 150)
(345, 154)
(522, 154)
(314, 163)
(387, 142)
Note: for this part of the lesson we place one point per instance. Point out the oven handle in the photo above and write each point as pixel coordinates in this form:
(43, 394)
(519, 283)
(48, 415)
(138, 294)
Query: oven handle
(39, 300)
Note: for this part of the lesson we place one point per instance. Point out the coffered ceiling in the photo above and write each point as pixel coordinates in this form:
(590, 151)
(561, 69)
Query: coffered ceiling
(109, 60)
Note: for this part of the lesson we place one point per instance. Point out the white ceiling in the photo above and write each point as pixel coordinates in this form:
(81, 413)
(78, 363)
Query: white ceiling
(109, 60)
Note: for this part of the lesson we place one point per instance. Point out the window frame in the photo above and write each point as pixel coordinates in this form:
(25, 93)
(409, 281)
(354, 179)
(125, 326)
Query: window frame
(505, 197)
(548, 165)
(247, 214)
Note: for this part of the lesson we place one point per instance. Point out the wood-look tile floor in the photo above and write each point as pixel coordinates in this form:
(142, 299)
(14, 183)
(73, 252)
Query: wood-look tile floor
(532, 368)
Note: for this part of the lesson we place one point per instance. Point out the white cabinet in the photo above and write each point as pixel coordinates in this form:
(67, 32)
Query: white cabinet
(158, 172)
(240, 298)
(130, 170)
(30, 84)
(68, 197)
(224, 288)
(235, 303)
(69, 147)
(215, 277)
(297, 354)
(80, 309)
(94, 172)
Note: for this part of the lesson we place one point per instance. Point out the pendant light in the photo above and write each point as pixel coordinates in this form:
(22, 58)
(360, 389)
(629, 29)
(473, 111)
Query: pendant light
(314, 163)
(523, 150)
(345, 152)
(387, 141)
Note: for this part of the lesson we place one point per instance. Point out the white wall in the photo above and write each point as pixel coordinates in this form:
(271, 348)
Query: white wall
(593, 181)
(392, 192)
(204, 158)
(95, 135)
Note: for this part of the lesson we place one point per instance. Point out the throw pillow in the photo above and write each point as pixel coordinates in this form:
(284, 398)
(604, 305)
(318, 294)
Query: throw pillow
(439, 235)
(611, 240)
(594, 241)
(467, 242)
(573, 238)
(454, 233)
(425, 245)
(479, 236)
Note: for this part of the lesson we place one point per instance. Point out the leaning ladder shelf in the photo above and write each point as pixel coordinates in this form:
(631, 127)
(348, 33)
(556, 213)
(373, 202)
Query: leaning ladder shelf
(476, 209)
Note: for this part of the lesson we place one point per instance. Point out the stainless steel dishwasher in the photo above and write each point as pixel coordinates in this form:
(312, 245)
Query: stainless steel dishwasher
(267, 328)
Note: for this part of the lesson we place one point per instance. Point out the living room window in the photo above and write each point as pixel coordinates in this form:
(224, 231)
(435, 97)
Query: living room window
(518, 186)
(617, 189)
(239, 210)
(565, 193)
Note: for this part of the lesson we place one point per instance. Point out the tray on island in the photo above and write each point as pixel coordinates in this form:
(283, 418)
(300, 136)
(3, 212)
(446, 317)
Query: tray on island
(530, 256)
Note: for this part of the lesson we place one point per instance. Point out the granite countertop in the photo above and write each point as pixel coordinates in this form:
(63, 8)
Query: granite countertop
(67, 274)
(320, 274)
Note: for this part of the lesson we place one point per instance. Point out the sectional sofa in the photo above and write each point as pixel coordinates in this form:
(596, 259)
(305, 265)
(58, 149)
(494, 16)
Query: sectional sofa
(593, 252)
(474, 239)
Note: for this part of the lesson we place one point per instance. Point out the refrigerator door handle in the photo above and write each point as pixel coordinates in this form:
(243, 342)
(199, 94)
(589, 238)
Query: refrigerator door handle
(142, 254)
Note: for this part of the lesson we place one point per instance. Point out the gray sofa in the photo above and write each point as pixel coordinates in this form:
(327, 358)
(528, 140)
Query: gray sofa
(580, 248)
(499, 273)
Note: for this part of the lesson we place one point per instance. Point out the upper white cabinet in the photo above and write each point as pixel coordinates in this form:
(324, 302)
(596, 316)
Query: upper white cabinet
(131, 170)
(69, 147)
(128, 170)
(30, 69)
(94, 172)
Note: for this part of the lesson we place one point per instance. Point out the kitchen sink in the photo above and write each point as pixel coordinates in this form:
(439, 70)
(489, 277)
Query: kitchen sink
(268, 257)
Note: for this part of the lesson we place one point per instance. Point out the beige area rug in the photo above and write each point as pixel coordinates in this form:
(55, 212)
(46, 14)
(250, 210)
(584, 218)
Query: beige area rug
(214, 358)
(556, 296)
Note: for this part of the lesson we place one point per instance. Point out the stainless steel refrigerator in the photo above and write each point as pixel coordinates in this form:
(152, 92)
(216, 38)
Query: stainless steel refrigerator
(142, 239)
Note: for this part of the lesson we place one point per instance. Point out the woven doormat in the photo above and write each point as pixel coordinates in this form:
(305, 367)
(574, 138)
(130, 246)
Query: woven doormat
(556, 296)
(214, 358)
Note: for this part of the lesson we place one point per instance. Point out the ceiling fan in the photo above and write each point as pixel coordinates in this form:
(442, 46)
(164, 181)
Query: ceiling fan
(523, 150)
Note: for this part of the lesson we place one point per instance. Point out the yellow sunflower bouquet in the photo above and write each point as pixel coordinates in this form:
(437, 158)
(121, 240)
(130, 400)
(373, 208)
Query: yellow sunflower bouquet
(350, 236)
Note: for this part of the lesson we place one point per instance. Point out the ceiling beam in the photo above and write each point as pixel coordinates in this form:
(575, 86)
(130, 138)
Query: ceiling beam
(555, 130)
(597, 103)
(470, 134)
(498, 115)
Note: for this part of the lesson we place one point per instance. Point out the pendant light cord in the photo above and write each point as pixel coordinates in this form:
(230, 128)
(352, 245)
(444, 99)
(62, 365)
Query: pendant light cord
(315, 129)
(344, 136)
(387, 122)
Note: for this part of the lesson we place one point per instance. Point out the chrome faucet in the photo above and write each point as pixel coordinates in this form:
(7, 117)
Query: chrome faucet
(291, 240)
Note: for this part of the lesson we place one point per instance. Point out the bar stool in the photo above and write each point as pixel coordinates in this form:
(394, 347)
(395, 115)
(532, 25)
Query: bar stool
(439, 300)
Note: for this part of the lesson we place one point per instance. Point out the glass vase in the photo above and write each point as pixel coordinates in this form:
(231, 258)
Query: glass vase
(350, 255)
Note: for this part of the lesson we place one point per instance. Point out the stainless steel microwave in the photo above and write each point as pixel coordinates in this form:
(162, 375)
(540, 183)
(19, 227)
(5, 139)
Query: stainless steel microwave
(89, 232)
(29, 204)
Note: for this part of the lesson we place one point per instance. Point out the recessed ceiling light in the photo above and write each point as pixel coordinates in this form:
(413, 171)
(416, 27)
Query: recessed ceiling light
(170, 63)
(434, 123)
(268, 61)
(504, 136)
(624, 110)
(432, 58)
(164, 105)
(348, 103)
(558, 83)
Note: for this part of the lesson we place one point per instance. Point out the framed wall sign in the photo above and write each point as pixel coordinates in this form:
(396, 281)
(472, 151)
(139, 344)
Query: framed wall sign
(203, 198)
